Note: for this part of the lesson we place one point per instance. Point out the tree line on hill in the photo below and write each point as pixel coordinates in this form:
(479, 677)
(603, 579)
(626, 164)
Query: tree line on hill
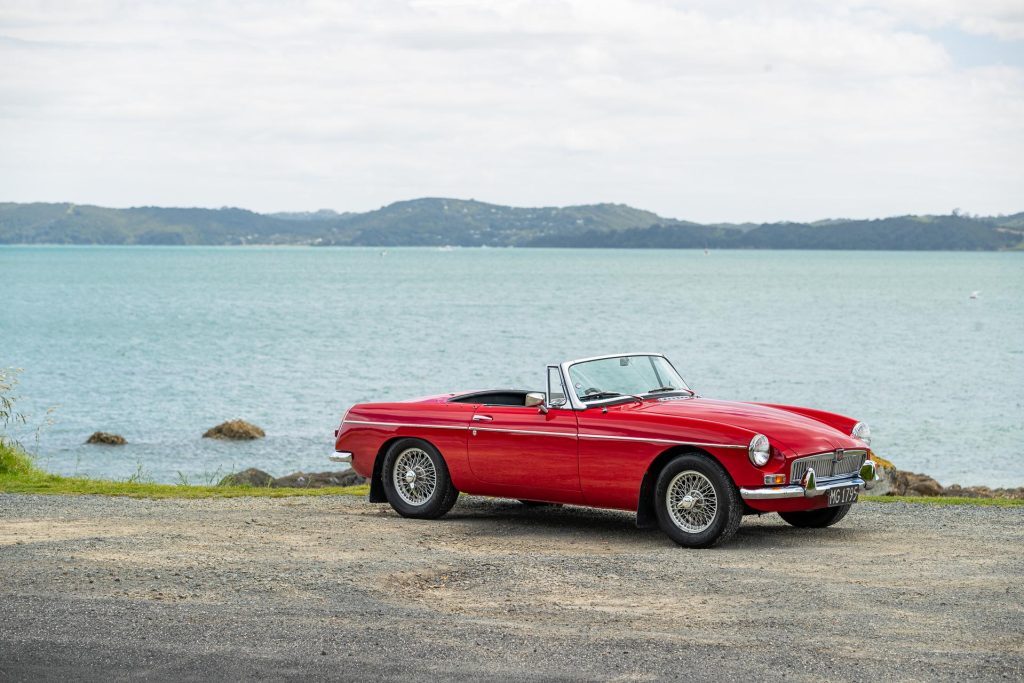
(438, 222)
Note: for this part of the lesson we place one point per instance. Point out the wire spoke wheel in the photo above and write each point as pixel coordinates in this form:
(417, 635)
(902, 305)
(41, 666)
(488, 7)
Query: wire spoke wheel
(691, 501)
(414, 476)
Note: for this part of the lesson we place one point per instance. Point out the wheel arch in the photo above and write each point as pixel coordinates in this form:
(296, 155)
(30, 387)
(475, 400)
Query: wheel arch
(646, 518)
(377, 494)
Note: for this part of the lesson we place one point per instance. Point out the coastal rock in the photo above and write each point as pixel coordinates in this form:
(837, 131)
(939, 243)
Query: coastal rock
(106, 439)
(318, 480)
(249, 477)
(895, 482)
(913, 484)
(957, 491)
(886, 475)
(235, 430)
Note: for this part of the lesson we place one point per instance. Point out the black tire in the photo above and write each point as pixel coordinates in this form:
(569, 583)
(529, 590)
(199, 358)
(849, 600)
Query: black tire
(816, 519)
(539, 504)
(728, 511)
(441, 498)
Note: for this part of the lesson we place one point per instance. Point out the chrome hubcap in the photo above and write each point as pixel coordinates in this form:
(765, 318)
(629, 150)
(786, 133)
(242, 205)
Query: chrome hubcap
(415, 476)
(691, 501)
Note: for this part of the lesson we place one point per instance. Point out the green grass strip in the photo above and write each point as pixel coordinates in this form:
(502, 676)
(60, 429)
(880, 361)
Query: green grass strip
(18, 474)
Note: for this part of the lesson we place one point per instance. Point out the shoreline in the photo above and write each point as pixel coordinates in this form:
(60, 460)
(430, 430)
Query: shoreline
(25, 479)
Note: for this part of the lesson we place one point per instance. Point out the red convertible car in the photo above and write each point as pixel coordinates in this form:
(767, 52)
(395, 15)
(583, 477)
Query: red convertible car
(621, 431)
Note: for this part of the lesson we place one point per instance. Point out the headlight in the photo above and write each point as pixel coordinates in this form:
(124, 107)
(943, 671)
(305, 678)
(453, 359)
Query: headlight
(759, 450)
(862, 431)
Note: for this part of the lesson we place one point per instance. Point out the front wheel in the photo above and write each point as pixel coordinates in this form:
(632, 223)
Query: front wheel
(416, 480)
(816, 519)
(697, 504)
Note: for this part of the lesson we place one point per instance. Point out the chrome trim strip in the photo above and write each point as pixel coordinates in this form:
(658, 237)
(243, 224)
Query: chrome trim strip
(613, 355)
(404, 424)
(475, 428)
(668, 441)
(797, 491)
(478, 428)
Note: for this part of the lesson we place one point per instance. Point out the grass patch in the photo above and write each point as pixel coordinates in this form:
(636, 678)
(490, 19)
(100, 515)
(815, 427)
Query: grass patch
(943, 500)
(18, 474)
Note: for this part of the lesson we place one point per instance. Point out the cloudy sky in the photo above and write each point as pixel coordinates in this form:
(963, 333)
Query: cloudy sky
(705, 110)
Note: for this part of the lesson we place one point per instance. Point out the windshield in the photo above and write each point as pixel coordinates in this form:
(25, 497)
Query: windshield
(595, 380)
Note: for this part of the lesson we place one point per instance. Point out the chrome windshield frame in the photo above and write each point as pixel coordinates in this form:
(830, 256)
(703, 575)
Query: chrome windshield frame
(578, 404)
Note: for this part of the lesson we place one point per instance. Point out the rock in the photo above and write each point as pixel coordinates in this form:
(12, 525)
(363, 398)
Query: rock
(913, 484)
(318, 480)
(957, 491)
(894, 482)
(235, 430)
(886, 474)
(249, 477)
(107, 439)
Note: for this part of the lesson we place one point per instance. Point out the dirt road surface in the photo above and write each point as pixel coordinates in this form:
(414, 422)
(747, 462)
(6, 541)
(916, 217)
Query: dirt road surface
(334, 587)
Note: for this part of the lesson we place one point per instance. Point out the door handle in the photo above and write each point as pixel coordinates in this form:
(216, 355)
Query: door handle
(482, 418)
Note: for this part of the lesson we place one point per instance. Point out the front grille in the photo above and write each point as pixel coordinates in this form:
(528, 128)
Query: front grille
(827, 467)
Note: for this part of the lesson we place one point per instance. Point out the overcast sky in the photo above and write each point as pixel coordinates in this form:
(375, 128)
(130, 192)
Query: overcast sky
(708, 110)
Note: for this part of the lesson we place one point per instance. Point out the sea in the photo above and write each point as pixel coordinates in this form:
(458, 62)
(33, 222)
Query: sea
(159, 344)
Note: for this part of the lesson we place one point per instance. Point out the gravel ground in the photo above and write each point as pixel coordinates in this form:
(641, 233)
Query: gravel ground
(335, 587)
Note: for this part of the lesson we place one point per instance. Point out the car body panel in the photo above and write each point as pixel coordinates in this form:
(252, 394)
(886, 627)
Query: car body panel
(520, 446)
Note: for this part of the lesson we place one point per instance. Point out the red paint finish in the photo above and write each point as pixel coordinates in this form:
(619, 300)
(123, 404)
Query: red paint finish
(519, 446)
(598, 456)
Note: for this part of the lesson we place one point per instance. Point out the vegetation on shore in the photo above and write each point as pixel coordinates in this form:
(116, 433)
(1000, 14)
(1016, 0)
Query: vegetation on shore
(18, 474)
(440, 221)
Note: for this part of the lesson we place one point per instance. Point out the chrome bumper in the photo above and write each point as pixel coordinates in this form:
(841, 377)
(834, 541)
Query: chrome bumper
(809, 486)
(341, 456)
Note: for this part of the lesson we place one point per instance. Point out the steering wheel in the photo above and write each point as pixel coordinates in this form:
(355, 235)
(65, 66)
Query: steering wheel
(591, 390)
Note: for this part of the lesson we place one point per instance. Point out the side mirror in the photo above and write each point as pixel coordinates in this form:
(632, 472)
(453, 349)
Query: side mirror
(534, 398)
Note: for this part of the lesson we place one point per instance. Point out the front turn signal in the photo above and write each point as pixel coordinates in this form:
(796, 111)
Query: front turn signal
(771, 479)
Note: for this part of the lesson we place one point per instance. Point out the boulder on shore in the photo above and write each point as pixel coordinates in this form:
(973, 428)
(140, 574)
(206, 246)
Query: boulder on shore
(895, 482)
(106, 439)
(250, 477)
(318, 480)
(958, 491)
(235, 430)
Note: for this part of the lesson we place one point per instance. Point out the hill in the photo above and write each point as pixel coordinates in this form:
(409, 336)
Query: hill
(439, 221)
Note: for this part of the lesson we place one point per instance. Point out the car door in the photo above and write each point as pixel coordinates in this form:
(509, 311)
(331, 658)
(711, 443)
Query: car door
(517, 446)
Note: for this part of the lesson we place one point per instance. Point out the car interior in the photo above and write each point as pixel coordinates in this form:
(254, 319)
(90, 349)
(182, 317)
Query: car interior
(498, 397)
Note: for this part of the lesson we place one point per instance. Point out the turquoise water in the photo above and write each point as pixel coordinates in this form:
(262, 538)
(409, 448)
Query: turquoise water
(159, 344)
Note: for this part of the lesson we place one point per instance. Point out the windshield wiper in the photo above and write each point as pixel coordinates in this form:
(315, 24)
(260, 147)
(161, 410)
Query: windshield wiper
(662, 389)
(611, 394)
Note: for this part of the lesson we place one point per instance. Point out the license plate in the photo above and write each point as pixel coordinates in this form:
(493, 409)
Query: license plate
(842, 496)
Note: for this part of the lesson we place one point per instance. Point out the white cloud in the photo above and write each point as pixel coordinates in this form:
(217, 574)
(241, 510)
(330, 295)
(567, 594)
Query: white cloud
(704, 110)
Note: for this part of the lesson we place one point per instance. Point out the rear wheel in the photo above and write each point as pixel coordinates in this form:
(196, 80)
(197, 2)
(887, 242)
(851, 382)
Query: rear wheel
(696, 502)
(816, 519)
(416, 480)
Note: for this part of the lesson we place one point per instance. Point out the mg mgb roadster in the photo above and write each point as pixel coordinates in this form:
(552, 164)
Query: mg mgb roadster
(621, 431)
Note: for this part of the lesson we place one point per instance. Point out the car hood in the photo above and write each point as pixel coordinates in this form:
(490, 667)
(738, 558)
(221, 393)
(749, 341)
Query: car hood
(785, 430)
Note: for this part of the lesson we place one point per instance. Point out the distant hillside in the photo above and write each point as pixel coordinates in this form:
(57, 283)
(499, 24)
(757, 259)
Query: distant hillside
(921, 233)
(436, 222)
